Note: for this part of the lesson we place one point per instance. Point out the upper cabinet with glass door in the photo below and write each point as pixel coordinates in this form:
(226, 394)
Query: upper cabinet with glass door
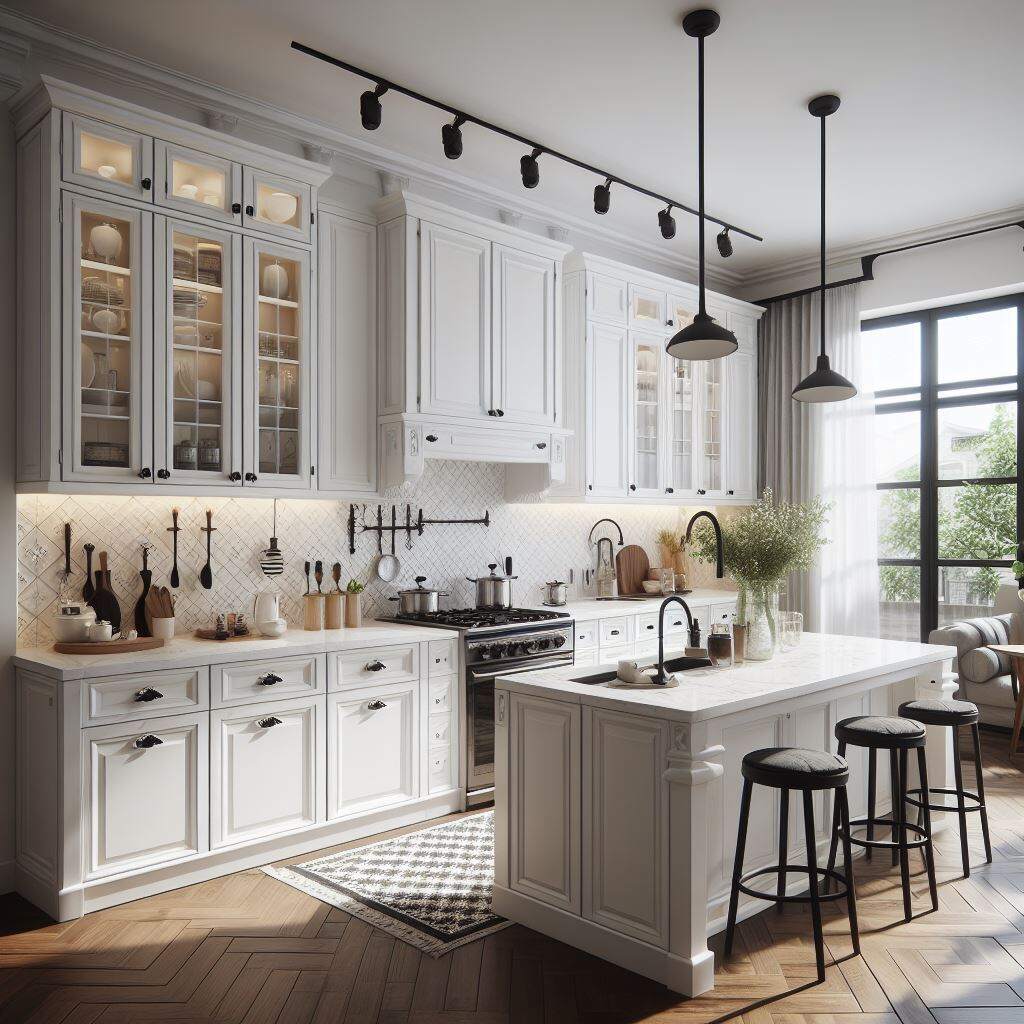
(277, 206)
(197, 183)
(646, 309)
(646, 415)
(711, 481)
(106, 157)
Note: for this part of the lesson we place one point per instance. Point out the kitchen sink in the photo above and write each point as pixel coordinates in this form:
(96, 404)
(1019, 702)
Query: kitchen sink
(681, 664)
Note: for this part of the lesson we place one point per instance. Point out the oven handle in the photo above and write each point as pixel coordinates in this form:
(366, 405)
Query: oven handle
(529, 666)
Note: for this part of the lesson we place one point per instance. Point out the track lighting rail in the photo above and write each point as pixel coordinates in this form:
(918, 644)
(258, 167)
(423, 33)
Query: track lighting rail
(383, 85)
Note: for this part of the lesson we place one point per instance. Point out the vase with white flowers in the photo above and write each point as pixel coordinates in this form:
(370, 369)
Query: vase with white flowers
(761, 546)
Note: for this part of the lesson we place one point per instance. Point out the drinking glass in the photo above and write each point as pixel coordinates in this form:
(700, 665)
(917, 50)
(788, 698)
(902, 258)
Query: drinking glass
(791, 628)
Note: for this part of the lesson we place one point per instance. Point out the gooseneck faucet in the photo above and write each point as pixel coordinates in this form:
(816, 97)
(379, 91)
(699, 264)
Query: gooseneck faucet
(720, 568)
(590, 537)
(660, 678)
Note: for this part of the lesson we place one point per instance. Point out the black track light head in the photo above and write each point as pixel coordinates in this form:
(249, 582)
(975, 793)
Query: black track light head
(724, 243)
(369, 107)
(451, 138)
(667, 223)
(603, 196)
(529, 170)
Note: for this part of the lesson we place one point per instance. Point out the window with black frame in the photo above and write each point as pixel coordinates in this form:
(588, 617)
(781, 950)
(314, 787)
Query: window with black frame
(948, 438)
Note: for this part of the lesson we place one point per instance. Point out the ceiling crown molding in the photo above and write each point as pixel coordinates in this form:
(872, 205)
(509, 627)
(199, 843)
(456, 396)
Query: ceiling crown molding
(13, 55)
(296, 131)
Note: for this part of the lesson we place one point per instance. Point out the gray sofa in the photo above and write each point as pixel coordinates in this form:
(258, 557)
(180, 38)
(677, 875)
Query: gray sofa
(983, 675)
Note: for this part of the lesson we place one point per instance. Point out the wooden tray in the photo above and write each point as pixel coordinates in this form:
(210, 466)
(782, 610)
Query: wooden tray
(143, 643)
(211, 634)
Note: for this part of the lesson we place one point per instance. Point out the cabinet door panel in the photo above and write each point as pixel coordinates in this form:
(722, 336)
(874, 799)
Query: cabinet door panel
(276, 205)
(683, 427)
(647, 397)
(713, 387)
(105, 157)
(455, 324)
(198, 183)
(524, 336)
(647, 309)
(741, 425)
(607, 411)
(372, 748)
(606, 299)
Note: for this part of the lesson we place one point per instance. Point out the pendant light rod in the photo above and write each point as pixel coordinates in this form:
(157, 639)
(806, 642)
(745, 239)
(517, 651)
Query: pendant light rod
(523, 140)
(700, 168)
(821, 311)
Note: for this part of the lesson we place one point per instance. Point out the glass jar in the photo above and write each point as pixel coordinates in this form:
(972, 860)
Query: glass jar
(720, 645)
(759, 607)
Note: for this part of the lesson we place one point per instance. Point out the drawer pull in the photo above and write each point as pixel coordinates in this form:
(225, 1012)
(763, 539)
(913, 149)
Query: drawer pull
(613, 632)
(146, 694)
(268, 723)
(650, 627)
(678, 622)
(376, 705)
(375, 666)
(439, 701)
(270, 679)
(147, 741)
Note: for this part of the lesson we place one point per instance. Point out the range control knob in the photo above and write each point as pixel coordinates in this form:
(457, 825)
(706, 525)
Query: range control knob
(544, 644)
(558, 641)
(531, 647)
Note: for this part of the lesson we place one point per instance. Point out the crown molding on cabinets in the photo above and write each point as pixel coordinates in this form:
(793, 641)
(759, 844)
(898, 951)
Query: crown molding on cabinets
(13, 54)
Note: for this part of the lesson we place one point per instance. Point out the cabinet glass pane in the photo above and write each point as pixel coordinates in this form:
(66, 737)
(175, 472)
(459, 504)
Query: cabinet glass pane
(713, 374)
(200, 184)
(682, 424)
(647, 377)
(681, 314)
(277, 205)
(109, 159)
(199, 306)
(105, 339)
(278, 382)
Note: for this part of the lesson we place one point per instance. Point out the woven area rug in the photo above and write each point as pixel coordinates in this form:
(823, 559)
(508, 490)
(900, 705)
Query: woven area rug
(430, 888)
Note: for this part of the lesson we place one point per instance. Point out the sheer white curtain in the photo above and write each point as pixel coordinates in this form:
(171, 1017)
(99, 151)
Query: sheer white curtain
(825, 450)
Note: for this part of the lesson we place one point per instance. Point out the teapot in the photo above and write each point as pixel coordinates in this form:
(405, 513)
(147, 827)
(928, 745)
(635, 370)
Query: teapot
(266, 613)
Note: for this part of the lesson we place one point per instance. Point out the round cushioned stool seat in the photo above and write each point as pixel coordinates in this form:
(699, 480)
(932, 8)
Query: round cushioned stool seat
(876, 731)
(940, 712)
(795, 768)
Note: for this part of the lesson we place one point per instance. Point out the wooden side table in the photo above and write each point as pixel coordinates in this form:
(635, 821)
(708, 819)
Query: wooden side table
(1016, 653)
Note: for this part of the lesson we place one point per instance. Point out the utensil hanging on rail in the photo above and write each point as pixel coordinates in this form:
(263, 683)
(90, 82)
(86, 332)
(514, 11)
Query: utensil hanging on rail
(206, 575)
(174, 530)
(88, 588)
(141, 623)
(103, 600)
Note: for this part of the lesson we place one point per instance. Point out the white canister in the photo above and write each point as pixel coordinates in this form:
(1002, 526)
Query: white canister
(163, 628)
(275, 281)
(71, 623)
(105, 240)
(100, 631)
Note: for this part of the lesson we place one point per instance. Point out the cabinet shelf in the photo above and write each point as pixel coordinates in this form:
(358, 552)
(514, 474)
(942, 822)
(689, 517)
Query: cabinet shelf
(201, 349)
(104, 416)
(100, 336)
(286, 303)
(213, 289)
(110, 268)
(195, 320)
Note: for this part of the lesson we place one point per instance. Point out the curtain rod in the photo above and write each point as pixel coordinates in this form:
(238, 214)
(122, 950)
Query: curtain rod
(867, 262)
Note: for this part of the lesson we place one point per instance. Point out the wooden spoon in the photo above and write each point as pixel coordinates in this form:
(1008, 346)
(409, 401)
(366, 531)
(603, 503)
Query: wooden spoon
(206, 575)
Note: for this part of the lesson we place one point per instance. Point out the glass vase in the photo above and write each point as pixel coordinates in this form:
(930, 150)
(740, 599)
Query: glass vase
(758, 606)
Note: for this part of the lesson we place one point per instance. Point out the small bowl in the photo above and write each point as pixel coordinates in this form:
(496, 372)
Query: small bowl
(652, 586)
(163, 628)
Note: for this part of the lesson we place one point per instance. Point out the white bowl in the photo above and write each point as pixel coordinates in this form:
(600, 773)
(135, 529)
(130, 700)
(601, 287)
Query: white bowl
(652, 586)
(272, 627)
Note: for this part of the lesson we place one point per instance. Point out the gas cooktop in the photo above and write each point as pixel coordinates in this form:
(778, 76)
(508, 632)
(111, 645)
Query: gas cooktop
(480, 618)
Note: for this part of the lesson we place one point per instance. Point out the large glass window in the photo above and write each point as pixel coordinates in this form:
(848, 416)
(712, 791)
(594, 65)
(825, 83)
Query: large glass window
(948, 390)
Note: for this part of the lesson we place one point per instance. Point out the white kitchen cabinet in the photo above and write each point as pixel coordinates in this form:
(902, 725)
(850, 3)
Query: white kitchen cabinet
(266, 769)
(712, 395)
(607, 299)
(198, 183)
(741, 409)
(346, 355)
(373, 748)
(144, 783)
(647, 308)
(607, 425)
(104, 156)
(648, 364)
(683, 426)
(276, 205)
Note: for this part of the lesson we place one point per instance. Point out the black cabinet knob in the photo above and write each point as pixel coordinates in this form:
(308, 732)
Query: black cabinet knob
(590, 487)
(376, 705)
(236, 207)
(147, 741)
(542, 445)
(669, 323)
(251, 477)
(730, 492)
(492, 412)
(431, 438)
(270, 679)
(268, 723)
(500, 412)
(650, 627)
(700, 490)
(670, 490)
(146, 694)
(145, 473)
(147, 184)
(164, 474)
(375, 666)
(632, 487)
(235, 476)
(613, 632)
(249, 211)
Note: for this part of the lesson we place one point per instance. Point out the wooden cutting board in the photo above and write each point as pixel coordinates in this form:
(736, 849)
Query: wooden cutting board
(143, 643)
(632, 567)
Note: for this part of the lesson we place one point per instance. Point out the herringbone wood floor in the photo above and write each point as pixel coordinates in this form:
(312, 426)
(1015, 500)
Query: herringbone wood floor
(249, 948)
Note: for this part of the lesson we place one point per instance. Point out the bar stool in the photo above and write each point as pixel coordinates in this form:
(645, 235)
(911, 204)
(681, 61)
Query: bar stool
(952, 714)
(898, 736)
(786, 769)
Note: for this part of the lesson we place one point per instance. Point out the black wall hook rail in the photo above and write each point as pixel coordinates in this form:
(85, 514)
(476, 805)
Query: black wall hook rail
(409, 527)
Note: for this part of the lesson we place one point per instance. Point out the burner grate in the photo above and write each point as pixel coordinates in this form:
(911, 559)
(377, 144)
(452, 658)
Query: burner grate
(472, 618)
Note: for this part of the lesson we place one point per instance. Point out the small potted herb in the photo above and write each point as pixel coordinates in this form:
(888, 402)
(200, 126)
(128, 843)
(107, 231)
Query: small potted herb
(353, 604)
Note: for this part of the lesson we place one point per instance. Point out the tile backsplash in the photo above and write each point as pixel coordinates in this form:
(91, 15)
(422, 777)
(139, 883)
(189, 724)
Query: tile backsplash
(544, 540)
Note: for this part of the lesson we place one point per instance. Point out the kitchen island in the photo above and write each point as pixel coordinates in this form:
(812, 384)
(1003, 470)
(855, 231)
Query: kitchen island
(616, 809)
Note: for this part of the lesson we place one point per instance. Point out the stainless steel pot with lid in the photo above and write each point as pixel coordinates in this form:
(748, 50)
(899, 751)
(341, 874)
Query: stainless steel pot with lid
(493, 591)
(418, 600)
(556, 593)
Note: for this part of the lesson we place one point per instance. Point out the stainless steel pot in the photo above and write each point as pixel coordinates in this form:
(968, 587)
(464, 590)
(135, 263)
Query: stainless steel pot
(556, 593)
(493, 591)
(418, 601)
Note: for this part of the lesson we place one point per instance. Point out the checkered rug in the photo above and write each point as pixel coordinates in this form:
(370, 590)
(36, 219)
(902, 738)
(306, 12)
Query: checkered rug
(430, 888)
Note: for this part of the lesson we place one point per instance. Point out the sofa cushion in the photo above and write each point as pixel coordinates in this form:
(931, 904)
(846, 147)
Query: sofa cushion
(981, 665)
(970, 637)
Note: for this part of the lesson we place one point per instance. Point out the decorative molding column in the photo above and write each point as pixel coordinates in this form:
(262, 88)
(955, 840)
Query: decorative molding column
(691, 765)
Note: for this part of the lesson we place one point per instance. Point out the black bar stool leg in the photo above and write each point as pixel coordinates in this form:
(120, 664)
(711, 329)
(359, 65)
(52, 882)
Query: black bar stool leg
(894, 787)
(958, 774)
(783, 845)
(813, 889)
(926, 816)
(901, 818)
(872, 779)
(976, 736)
(851, 894)
(834, 841)
(737, 868)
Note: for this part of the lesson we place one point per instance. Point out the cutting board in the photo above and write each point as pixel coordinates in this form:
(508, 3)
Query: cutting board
(143, 643)
(631, 568)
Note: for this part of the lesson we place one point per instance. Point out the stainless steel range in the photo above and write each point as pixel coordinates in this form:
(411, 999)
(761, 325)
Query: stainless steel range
(495, 641)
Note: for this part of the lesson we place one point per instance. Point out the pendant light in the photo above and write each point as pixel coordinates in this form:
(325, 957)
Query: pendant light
(703, 339)
(824, 384)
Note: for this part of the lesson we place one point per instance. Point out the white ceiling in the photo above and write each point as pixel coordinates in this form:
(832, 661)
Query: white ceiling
(929, 130)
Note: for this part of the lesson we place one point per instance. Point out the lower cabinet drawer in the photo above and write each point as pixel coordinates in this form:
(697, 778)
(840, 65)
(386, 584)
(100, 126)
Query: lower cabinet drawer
(144, 789)
(586, 657)
(441, 770)
(614, 631)
(585, 635)
(145, 695)
(439, 731)
(373, 748)
(266, 768)
(441, 696)
(248, 682)
(374, 665)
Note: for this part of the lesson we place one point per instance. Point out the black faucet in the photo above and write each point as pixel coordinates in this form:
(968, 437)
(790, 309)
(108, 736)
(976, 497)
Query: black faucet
(590, 538)
(720, 569)
(659, 677)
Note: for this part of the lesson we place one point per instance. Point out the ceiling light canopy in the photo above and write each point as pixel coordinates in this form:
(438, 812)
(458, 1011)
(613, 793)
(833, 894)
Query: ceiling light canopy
(704, 338)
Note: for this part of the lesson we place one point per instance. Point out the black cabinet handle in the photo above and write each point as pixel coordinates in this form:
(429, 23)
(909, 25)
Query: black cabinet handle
(164, 474)
(249, 211)
(492, 412)
(147, 184)
(147, 741)
(375, 666)
(431, 438)
(251, 477)
(670, 490)
(669, 323)
(542, 445)
(730, 492)
(678, 622)
(270, 679)
(145, 473)
(650, 627)
(632, 487)
(236, 207)
(376, 705)
(613, 632)
(500, 412)
(235, 476)
(590, 487)
(146, 694)
(268, 723)
(700, 490)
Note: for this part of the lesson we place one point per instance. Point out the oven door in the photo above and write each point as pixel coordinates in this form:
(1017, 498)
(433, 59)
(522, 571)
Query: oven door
(480, 713)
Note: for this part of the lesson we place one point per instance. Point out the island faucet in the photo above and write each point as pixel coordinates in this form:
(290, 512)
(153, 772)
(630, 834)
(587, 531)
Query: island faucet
(659, 677)
(720, 568)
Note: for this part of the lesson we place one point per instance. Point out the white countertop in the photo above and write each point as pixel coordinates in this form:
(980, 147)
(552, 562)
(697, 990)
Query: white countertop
(185, 651)
(820, 662)
(589, 608)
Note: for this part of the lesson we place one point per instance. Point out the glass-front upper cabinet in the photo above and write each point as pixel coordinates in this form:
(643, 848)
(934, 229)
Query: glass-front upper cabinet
(199, 376)
(713, 371)
(646, 415)
(646, 308)
(102, 156)
(198, 183)
(277, 365)
(106, 339)
(277, 206)
(681, 312)
(683, 426)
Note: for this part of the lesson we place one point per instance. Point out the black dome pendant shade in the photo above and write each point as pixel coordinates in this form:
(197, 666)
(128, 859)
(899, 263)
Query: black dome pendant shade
(704, 338)
(824, 384)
